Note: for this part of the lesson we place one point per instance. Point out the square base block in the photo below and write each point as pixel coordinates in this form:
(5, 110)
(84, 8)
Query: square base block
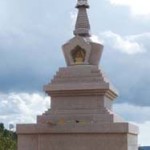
(117, 137)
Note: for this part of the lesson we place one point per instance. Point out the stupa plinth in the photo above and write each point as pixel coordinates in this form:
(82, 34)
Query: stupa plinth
(81, 115)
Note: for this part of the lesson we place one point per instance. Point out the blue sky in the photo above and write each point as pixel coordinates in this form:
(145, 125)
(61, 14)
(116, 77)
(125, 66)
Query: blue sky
(31, 36)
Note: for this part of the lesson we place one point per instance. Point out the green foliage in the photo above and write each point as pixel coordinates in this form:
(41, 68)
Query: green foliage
(8, 139)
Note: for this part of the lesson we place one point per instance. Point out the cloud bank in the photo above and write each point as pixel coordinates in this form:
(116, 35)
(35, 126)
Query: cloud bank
(137, 7)
(126, 44)
(22, 107)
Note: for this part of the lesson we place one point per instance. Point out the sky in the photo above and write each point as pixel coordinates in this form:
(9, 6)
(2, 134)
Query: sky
(31, 36)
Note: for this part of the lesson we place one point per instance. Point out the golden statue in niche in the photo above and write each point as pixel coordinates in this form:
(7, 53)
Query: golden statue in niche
(78, 55)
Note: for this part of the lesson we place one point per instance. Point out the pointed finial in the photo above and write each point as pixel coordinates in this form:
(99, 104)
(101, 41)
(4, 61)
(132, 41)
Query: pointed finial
(82, 27)
(82, 3)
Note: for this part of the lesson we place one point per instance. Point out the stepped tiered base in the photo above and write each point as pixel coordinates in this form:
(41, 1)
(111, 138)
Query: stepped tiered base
(81, 116)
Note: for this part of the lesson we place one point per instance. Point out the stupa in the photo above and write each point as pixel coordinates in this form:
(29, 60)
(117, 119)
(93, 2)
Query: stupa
(81, 115)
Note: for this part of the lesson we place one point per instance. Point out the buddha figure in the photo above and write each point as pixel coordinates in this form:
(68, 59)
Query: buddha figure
(78, 55)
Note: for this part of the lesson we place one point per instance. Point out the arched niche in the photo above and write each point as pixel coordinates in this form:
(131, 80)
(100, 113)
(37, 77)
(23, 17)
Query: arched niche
(78, 55)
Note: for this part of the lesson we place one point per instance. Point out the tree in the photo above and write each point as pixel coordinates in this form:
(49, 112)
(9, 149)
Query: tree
(8, 139)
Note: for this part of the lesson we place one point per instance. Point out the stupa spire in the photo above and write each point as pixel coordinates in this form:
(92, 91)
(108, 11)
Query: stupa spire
(82, 27)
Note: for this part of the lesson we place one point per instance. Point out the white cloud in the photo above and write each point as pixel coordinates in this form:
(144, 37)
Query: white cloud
(126, 44)
(22, 107)
(140, 36)
(137, 7)
(96, 39)
(138, 115)
(144, 135)
(73, 16)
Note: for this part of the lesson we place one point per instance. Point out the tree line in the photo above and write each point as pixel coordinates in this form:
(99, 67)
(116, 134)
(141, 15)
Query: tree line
(8, 139)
